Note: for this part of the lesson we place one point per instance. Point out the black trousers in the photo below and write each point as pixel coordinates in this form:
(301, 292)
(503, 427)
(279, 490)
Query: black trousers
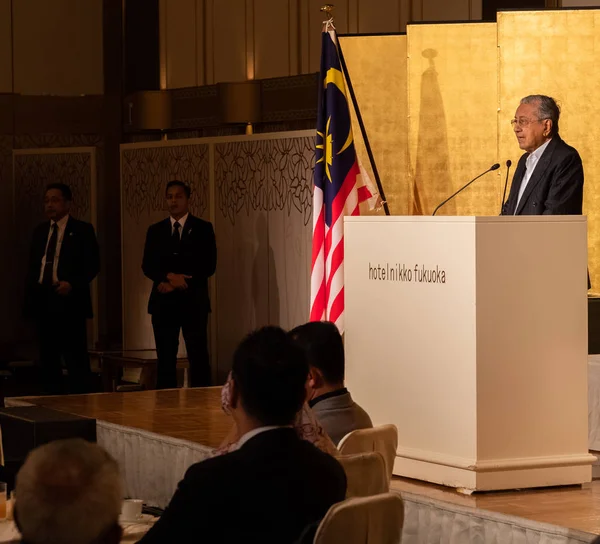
(166, 326)
(62, 335)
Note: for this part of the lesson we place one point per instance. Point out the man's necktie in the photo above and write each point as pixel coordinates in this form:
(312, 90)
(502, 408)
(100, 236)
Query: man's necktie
(176, 237)
(47, 278)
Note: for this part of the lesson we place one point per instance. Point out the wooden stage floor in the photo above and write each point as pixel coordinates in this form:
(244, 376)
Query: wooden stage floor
(188, 414)
(196, 415)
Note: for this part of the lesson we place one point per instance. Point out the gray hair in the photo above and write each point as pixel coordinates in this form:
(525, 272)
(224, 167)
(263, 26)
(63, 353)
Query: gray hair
(68, 491)
(547, 109)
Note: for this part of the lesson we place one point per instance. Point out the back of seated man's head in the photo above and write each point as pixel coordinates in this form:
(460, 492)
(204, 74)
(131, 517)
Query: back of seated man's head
(268, 377)
(69, 492)
(322, 344)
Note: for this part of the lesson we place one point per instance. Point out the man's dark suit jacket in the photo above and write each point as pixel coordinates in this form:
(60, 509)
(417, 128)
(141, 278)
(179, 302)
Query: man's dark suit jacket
(268, 491)
(556, 186)
(197, 258)
(78, 264)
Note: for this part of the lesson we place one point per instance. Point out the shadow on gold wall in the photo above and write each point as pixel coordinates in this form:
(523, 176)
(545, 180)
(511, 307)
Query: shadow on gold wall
(432, 170)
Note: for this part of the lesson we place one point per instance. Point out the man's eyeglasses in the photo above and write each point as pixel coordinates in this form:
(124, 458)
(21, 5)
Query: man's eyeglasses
(523, 122)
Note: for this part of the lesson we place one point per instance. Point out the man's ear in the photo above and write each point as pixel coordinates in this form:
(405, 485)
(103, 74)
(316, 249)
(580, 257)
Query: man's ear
(315, 378)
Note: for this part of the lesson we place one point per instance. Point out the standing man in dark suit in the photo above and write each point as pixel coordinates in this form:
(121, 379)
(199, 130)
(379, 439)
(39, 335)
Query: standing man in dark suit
(549, 177)
(179, 256)
(275, 484)
(64, 259)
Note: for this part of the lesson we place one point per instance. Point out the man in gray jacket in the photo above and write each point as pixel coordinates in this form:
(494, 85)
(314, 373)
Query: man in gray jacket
(330, 401)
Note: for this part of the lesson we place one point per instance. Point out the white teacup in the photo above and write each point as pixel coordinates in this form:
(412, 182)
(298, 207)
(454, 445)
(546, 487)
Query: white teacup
(131, 510)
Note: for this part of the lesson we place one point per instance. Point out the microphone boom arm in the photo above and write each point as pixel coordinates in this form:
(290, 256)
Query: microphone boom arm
(494, 167)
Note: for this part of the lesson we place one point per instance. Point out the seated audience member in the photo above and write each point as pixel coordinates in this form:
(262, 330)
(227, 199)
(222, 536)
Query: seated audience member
(306, 426)
(69, 492)
(330, 401)
(274, 484)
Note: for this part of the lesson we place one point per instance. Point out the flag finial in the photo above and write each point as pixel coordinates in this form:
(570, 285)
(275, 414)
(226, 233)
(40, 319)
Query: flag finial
(328, 10)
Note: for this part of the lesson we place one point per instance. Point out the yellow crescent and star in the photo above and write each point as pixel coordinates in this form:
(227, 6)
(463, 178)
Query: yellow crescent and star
(334, 77)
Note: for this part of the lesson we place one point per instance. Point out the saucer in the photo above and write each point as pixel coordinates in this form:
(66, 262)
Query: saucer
(142, 519)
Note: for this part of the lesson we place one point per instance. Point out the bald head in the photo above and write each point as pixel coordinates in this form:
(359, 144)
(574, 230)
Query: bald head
(69, 491)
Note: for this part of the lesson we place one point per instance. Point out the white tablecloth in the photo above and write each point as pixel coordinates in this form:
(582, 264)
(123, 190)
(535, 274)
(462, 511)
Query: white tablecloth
(152, 464)
(594, 402)
(428, 521)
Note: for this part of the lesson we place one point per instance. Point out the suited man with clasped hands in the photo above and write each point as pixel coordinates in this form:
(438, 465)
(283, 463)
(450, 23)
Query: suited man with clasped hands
(64, 259)
(180, 255)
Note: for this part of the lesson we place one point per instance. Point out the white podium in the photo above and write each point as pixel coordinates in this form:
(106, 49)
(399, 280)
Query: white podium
(470, 335)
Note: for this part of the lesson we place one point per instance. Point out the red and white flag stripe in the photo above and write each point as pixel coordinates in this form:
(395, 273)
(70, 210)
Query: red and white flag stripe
(327, 275)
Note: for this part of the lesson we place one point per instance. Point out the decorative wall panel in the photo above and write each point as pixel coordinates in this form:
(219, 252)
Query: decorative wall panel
(263, 200)
(257, 191)
(145, 171)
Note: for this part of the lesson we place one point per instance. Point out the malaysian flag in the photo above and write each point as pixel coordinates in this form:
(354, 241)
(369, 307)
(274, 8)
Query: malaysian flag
(339, 186)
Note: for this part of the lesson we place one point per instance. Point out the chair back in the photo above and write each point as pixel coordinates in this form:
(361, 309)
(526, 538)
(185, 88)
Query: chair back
(363, 520)
(383, 439)
(366, 474)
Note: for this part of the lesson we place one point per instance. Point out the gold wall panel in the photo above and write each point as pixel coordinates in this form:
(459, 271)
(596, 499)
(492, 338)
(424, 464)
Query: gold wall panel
(452, 99)
(377, 69)
(556, 53)
(437, 106)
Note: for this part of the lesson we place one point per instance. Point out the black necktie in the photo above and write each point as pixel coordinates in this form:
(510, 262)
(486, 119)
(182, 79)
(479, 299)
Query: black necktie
(47, 278)
(175, 237)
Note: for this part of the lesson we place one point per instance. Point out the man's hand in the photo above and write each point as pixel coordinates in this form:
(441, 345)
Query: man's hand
(63, 288)
(177, 281)
(165, 287)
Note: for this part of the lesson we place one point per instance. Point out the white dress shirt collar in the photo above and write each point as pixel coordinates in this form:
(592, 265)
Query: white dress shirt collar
(536, 155)
(61, 223)
(257, 431)
(180, 221)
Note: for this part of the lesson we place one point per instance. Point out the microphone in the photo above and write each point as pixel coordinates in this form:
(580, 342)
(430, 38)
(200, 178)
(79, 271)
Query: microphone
(493, 167)
(508, 165)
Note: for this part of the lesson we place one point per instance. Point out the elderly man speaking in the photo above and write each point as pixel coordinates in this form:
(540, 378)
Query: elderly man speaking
(549, 177)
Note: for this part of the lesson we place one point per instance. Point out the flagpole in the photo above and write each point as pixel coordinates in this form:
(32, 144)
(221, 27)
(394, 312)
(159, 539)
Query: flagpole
(328, 9)
(363, 130)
